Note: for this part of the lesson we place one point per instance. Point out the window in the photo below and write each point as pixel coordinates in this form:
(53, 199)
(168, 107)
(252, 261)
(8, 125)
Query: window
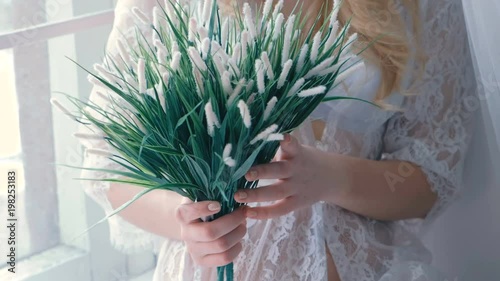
(10, 148)
(36, 36)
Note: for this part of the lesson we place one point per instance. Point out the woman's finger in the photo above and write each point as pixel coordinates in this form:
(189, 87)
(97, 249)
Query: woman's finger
(220, 259)
(211, 231)
(220, 245)
(290, 147)
(190, 212)
(273, 170)
(279, 209)
(273, 192)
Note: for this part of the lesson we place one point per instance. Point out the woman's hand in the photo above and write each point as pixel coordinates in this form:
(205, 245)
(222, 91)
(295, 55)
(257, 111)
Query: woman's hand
(301, 181)
(214, 243)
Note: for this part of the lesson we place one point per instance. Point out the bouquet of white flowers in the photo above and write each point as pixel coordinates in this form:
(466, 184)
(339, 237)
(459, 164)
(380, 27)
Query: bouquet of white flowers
(192, 111)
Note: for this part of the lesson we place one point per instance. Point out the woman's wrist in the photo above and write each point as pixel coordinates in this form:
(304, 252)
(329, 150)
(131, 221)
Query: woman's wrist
(334, 175)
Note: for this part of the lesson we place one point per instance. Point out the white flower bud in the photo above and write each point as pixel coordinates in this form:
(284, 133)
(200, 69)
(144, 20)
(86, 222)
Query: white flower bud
(141, 75)
(315, 47)
(312, 92)
(196, 59)
(245, 113)
(265, 134)
(302, 57)
(260, 76)
(296, 87)
(267, 63)
(284, 73)
(269, 108)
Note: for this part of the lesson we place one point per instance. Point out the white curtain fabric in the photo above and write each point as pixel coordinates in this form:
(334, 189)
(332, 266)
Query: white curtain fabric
(464, 241)
(483, 20)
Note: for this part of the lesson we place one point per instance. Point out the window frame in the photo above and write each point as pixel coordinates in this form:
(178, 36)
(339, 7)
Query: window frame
(91, 257)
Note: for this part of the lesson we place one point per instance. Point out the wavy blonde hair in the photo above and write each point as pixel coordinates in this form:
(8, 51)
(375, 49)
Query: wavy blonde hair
(381, 26)
(379, 23)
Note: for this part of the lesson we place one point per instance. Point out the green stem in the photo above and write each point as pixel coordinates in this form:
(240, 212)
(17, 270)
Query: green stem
(229, 272)
(226, 271)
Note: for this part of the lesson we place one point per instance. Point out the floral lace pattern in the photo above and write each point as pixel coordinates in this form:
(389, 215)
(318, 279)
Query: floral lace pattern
(432, 131)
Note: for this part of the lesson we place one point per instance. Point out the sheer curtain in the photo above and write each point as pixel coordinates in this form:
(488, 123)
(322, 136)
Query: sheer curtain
(465, 240)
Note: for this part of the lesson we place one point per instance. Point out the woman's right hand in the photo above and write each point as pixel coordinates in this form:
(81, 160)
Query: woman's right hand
(215, 243)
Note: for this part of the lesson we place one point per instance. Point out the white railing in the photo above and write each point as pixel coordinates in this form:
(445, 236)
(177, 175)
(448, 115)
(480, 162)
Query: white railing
(50, 30)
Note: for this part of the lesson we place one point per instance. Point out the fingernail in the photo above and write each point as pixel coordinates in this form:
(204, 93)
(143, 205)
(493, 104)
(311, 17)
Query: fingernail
(252, 174)
(252, 214)
(242, 195)
(213, 207)
(287, 138)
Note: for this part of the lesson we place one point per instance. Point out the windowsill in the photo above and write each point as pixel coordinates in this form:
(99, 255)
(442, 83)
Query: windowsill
(58, 263)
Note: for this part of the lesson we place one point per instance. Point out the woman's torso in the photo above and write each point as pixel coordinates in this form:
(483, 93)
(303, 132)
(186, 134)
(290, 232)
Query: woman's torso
(293, 247)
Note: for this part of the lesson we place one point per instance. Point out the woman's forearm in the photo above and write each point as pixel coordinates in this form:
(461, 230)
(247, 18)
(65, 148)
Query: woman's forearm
(153, 212)
(382, 190)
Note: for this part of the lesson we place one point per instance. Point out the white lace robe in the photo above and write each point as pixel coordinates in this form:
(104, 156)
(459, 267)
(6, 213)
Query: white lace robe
(432, 131)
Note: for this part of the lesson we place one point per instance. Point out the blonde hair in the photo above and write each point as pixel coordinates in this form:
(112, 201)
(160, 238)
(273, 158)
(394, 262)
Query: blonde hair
(381, 24)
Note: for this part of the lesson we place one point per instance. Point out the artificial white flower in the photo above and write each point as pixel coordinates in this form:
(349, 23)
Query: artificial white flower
(250, 24)
(296, 87)
(205, 48)
(207, 11)
(226, 82)
(196, 59)
(244, 43)
(269, 67)
(289, 29)
(141, 75)
(312, 92)
(265, 134)
(284, 73)
(212, 120)
(346, 73)
(245, 113)
(332, 37)
(269, 107)
(277, 9)
(193, 29)
(176, 60)
(268, 5)
(259, 68)
(275, 137)
(319, 68)
(106, 74)
(85, 136)
(63, 109)
(315, 47)
(236, 92)
(302, 57)
(226, 156)
(278, 25)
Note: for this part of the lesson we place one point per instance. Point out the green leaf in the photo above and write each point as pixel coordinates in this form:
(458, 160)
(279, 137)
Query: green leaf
(117, 172)
(185, 117)
(119, 209)
(243, 169)
(327, 99)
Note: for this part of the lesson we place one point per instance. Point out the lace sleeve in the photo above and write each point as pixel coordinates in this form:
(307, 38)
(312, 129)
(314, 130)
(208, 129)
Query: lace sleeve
(124, 236)
(434, 128)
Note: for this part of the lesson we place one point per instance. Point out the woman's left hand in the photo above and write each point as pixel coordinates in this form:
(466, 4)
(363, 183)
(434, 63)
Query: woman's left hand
(301, 181)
